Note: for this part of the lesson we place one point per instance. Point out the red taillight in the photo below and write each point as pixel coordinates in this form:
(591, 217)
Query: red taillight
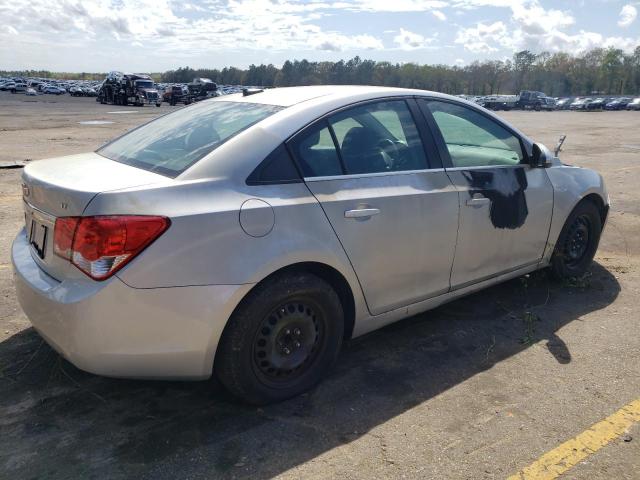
(102, 245)
(63, 236)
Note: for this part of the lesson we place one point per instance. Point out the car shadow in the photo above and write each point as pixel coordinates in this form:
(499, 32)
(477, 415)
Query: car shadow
(59, 422)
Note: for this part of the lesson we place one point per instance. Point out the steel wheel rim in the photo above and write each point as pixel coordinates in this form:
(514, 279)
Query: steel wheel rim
(287, 341)
(577, 242)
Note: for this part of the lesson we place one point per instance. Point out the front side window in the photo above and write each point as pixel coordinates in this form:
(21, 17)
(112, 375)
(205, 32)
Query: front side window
(378, 137)
(474, 140)
(174, 142)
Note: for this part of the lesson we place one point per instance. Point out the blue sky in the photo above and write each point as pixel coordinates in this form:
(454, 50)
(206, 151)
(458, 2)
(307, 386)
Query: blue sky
(156, 35)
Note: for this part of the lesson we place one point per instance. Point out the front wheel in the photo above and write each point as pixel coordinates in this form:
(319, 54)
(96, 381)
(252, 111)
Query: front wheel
(281, 339)
(578, 242)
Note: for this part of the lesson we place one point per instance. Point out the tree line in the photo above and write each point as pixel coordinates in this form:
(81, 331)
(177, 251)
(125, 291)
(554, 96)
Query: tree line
(599, 71)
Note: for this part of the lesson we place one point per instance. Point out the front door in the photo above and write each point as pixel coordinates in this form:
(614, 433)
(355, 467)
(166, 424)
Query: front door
(505, 205)
(396, 218)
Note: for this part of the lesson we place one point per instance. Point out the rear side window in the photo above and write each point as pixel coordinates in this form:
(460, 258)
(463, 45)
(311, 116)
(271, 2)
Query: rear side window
(174, 142)
(375, 137)
(474, 140)
(278, 167)
(378, 137)
(316, 153)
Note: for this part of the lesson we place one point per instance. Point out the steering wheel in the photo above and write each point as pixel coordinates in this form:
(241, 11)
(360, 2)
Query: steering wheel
(391, 151)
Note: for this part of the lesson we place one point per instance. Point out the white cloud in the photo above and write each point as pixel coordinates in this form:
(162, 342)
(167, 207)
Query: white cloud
(234, 24)
(484, 38)
(395, 5)
(439, 15)
(9, 29)
(407, 40)
(628, 15)
(218, 32)
(335, 42)
(534, 28)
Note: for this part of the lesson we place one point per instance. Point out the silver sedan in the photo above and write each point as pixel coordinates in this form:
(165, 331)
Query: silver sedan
(249, 235)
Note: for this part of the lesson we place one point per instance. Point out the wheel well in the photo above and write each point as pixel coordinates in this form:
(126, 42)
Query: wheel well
(334, 278)
(599, 203)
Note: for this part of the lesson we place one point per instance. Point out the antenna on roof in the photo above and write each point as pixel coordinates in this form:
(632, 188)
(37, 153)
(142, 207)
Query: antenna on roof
(251, 91)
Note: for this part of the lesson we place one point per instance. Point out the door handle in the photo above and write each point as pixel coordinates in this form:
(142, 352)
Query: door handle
(361, 213)
(477, 200)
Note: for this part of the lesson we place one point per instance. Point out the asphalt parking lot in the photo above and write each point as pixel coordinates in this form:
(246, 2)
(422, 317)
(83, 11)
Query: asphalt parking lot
(480, 388)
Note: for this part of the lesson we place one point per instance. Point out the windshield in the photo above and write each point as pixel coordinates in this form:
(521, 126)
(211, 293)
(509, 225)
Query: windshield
(144, 84)
(174, 142)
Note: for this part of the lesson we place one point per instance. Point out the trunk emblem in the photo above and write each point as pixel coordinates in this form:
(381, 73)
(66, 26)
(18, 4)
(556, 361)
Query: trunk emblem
(25, 190)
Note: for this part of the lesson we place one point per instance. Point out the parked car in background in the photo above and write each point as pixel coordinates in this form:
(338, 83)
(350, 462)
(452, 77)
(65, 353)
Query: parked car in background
(7, 86)
(634, 104)
(51, 90)
(596, 104)
(564, 103)
(525, 100)
(76, 91)
(89, 92)
(618, 104)
(547, 104)
(247, 236)
(176, 94)
(579, 104)
(19, 87)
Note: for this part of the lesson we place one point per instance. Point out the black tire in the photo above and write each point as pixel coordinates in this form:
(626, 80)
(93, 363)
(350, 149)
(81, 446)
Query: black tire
(281, 339)
(578, 242)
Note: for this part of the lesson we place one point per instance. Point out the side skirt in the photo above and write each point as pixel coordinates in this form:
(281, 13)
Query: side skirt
(370, 323)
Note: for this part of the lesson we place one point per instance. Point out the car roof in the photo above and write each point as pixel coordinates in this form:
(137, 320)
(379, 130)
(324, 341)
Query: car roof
(289, 96)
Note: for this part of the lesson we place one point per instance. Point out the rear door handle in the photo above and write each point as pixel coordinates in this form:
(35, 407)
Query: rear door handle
(477, 200)
(361, 212)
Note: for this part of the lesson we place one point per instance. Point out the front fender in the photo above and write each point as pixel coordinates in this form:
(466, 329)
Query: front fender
(570, 186)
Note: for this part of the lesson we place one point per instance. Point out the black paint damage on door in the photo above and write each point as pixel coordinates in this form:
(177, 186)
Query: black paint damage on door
(505, 188)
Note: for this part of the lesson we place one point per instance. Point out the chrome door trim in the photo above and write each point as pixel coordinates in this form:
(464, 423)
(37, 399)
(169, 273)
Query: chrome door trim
(481, 167)
(367, 175)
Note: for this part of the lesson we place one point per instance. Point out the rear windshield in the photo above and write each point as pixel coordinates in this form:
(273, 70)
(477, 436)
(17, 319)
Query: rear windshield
(174, 142)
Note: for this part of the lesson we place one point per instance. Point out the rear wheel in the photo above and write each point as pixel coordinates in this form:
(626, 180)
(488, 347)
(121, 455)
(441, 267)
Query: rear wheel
(281, 340)
(578, 242)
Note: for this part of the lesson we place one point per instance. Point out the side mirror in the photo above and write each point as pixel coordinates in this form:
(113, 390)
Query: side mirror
(538, 157)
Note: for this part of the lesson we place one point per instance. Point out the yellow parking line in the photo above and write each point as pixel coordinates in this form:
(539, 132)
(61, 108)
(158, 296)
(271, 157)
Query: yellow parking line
(570, 453)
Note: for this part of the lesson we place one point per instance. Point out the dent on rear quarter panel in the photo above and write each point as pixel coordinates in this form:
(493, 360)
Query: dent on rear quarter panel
(570, 184)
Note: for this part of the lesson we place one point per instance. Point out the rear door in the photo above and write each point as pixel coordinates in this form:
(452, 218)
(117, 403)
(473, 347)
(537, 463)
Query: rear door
(390, 203)
(505, 205)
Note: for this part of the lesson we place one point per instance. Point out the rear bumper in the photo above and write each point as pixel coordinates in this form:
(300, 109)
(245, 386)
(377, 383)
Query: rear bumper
(109, 328)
